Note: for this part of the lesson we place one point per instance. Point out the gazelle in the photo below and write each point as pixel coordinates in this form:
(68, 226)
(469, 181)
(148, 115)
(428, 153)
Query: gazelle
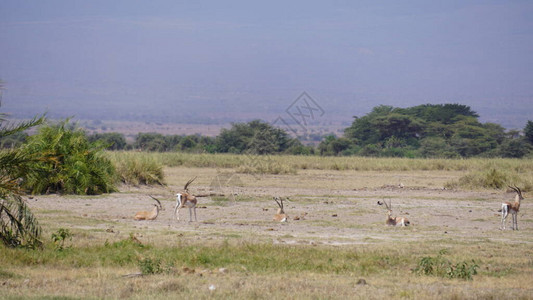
(149, 215)
(186, 199)
(513, 208)
(280, 216)
(394, 221)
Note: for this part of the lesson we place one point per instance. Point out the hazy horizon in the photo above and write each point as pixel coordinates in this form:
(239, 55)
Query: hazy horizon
(220, 62)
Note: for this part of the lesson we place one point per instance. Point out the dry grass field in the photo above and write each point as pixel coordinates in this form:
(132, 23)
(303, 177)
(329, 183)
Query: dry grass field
(339, 248)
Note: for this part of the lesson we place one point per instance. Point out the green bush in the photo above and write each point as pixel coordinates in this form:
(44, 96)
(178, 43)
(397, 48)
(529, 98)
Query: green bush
(150, 266)
(442, 267)
(68, 162)
(59, 238)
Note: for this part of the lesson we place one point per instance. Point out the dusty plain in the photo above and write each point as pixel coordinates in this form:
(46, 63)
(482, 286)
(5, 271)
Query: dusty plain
(329, 212)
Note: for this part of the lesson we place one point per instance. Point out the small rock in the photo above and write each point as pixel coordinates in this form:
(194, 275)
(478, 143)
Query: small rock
(361, 282)
(212, 287)
(223, 270)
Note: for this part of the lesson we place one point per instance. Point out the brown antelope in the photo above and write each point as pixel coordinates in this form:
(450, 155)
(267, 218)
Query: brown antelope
(394, 221)
(280, 216)
(186, 199)
(149, 215)
(513, 208)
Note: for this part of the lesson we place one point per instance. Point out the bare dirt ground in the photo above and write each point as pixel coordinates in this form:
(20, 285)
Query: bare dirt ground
(333, 207)
(337, 212)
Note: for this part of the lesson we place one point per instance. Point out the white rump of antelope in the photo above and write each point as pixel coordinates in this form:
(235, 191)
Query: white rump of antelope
(280, 216)
(149, 215)
(513, 208)
(186, 199)
(393, 221)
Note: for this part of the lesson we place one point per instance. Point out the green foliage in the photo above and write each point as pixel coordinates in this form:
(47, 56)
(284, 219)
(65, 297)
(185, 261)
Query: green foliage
(59, 238)
(442, 267)
(163, 143)
(68, 162)
(332, 145)
(112, 140)
(18, 225)
(515, 148)
(13, 141)
(255, 137)
(437, 147)
(150, 266)
(151, 142)
(445, 130)
(137, 169)
(528, 132)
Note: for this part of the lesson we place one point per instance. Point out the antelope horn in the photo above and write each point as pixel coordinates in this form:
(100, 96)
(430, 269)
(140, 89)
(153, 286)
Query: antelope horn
(518, 191)
(280, 205)
(158, 202)
(189, 182)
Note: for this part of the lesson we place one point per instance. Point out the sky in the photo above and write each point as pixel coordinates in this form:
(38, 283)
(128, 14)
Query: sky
(223, 61)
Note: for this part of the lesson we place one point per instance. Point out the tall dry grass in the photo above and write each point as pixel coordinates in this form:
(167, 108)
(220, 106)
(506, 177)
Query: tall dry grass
(482, 173)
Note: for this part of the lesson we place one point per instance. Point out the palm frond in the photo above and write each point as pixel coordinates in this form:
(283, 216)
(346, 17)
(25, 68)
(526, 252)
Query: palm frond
(10, 129)
(18, 225)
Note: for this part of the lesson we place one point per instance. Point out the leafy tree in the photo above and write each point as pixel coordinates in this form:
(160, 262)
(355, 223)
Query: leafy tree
(151, 142)
(528, 132)
(112, 140)
(433, 130)
(437, 147)
(68, 162)
(18, 225)
(332, 145)
(256, 137)
(439, 113)
(515, 148)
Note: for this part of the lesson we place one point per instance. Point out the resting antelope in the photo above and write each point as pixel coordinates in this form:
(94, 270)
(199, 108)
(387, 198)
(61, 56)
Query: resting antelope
(186, 199)
(280, 216)
(149, 215)
(513, 208)
(394, 221)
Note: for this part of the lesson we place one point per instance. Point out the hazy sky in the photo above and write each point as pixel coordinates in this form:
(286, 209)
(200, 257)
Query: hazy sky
(241, 58)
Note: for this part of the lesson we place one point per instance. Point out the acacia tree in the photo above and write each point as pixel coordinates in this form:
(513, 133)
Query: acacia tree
(18, 226)
(528, 131)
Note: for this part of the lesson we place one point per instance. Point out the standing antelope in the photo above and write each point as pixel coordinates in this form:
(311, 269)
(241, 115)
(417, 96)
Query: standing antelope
(513, 208)
(280, 216)
(186, 199)
(394, 221)
(149, 215)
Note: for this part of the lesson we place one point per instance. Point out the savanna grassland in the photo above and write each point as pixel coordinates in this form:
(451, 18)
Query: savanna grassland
(335, 245)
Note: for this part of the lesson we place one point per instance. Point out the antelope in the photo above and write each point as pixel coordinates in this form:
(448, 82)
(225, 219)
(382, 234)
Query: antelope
(513, 208)
(186, 199)
(394, 221)
(149, 215)
(280, 216)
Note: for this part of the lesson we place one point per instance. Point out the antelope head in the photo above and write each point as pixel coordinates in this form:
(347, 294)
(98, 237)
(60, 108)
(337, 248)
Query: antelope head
(158, 205)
